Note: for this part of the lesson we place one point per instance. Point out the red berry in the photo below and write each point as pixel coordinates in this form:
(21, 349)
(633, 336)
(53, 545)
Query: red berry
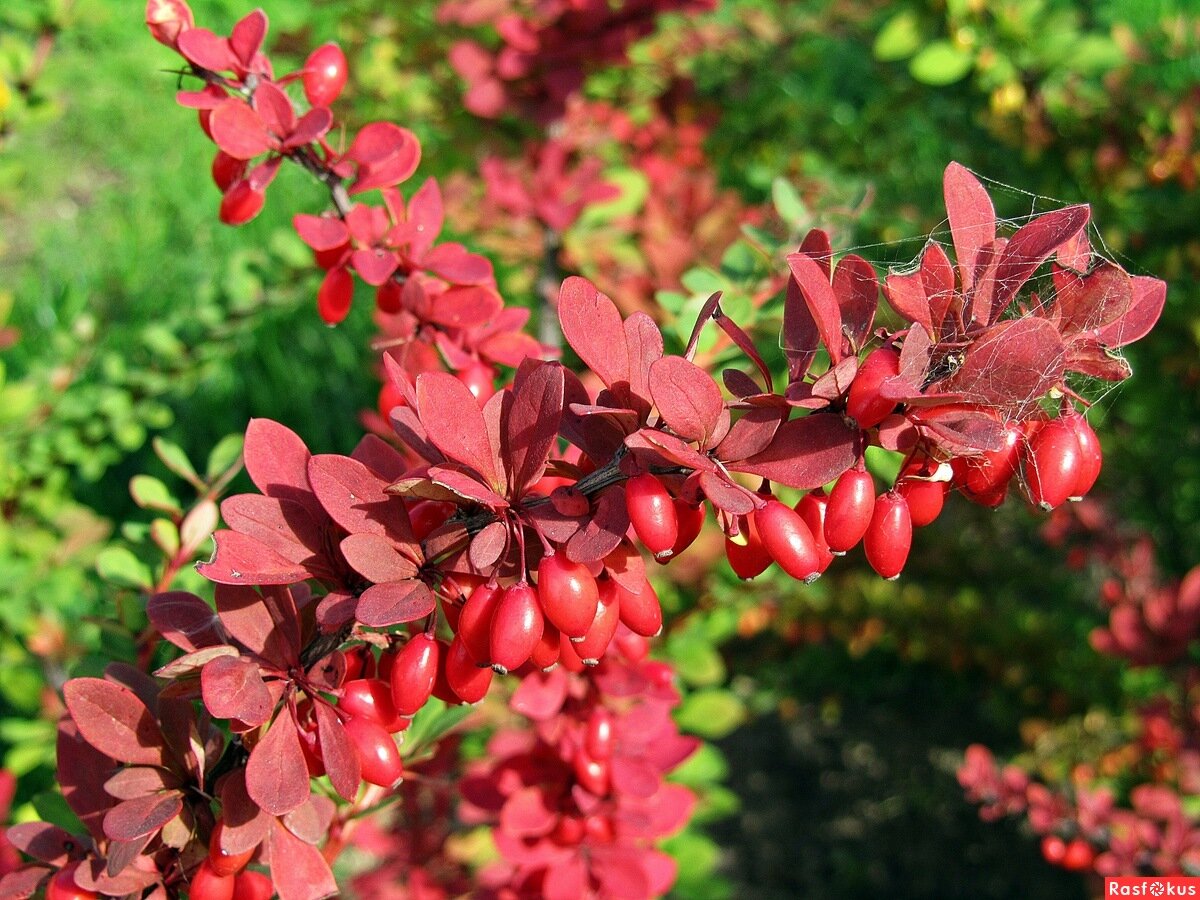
(223, 863)
(1053, 849)
(376, 750)
(925, 498)
(652, 514)
(548, 648)
(413, 674)
(787, 539)
(389, 398)
(641, 612)
(1078, 856)
(335, 295)
(253, 886)
(516, 628)
(389, 297)
(208, 885)
(599, 734)
(425, 516)
(371, 698)
(604, 626)
(568, 594)
(746, 554)
(690, 517)
(241, 203)
(813, 508)
(464, 676)
(324, 74)
(226, 170)
(475, 621)
(1053, 463)
(592, 774)
(480, 379)
(863, 404)
(889, 536)
(63, 887)
(569, 658)
(988, 474)
(848, 514)
(1091, 456)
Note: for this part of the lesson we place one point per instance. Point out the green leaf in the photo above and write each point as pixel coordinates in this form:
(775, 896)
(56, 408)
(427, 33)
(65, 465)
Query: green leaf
(53, 808)
(705, 767)
(634, 188)
(697, 661)
(224, 456)
(711, 713)
(703, 281)
(432, 721)
(175, 459)
(899, 38)
(150, 493)
(120, 566)
(696, 854)
(788, 203)
(941, 63)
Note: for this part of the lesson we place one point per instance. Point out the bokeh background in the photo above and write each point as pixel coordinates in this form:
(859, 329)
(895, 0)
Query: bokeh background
(841, 711)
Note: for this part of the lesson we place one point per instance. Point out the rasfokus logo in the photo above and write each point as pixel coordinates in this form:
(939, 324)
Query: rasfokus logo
(1134, 886)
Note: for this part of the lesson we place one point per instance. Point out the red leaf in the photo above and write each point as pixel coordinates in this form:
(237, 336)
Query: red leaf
(356, 498)
(425, 216)
(857, 290)
(527, 814)
(267, 624)
(247, 36)
(245, 823)
(376, 558)
(298, 870)
(540, 695)
(393, 603)
(602, 533)
(806, 452)
(1090, 303)
(566, 879)
(321, 232)
(464, 486)
(620, 875)
(800, 335)
(905, 292)
(456, 264)
(819, 297)
(529, 426)
(1011, 365)
(239, 559)
(184, 619)
(113, 720)
(488, 545)
(283, 526)
(386, 155)
(133, 819)
(44, 842)
(687, 398)
(82, 771)
(465, 307)
(751, 433)
(239, 130)
(972, 219)
(276, 774)
(275, 109)
(732, 498)
(816, 244)
(310, 821)
(206, 49)
(232, 688)
(644, 344)
(1149, 297)
(312, 126)
(1097, 361)
(340, 758)
(380, 457)
(634, 777)
(937, 275)
(277, 463)
(592, 326)
(1032, 245)
(374, 264)
(455, 423)
(139, 781)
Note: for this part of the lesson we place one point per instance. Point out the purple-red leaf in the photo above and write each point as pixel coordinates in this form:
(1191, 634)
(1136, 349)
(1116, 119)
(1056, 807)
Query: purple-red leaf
(393, 603)
(687, 398)
(239, 130)
(133, 819)
(247, 36)
(602, 533)
(242, 560)
(1149, 297)
(321, 232)
(277, 463)
(276, 774)
(206, 49)
(468, 306)
(592, 326)
(857, 290)
(1032, 245)
(44, 842)
(818, 295)
(1011, 366)
(82, 771)
(456, 264)
(455, 425)
(805, 453)
(905, 292)
(356, 498)
(644, 344)
(298, 870)
(340, 758)
(488, 545)
(184, 619)
(267, 624)
(376, 558)
(233, 688)
(972, 219)
(530, 423)
(113, 720)
(386, 155)
(245, 823)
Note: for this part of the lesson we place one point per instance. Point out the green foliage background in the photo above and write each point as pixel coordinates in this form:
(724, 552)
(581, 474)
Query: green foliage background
(139, 315)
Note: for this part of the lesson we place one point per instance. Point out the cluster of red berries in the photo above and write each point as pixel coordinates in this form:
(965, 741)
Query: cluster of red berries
(224, 876)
